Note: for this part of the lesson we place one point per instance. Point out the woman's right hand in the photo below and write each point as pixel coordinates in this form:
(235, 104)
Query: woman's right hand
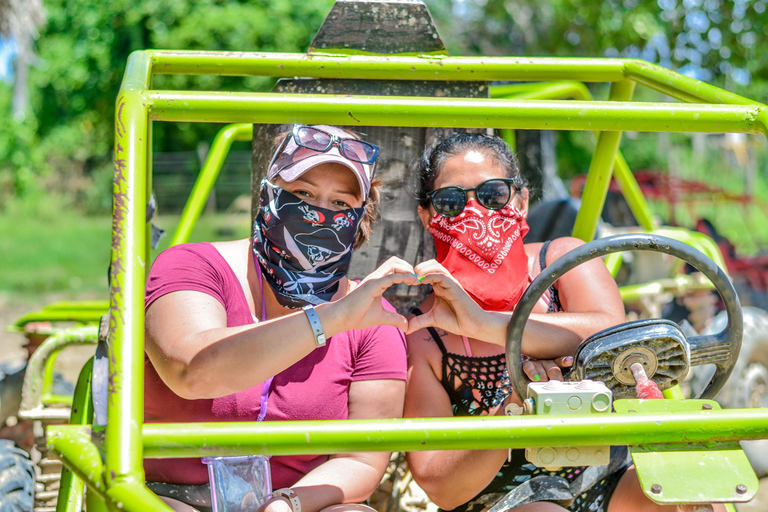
(363, 307)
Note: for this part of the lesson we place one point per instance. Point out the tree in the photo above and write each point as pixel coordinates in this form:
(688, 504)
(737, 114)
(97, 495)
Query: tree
(718, 41)
(82, 51)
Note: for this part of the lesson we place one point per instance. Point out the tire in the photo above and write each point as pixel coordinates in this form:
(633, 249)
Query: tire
(748, 384)
(17, 479)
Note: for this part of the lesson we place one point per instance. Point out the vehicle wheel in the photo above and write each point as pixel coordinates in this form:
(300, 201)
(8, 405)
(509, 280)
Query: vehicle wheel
(748, 385)
(17, 479)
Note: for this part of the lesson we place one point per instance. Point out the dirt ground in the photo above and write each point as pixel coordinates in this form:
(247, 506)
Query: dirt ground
(71, 360)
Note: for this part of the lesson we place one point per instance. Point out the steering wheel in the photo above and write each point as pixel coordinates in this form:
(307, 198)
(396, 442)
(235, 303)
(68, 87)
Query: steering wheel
(660, 345)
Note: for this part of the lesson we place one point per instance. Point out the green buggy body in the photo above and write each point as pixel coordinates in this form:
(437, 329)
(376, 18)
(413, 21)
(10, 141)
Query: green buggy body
(545, 94)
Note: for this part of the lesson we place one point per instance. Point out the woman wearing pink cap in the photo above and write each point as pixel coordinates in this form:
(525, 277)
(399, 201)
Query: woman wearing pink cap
(270, 328)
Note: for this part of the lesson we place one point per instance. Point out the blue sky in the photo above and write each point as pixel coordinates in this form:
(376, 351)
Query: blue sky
(7, 53)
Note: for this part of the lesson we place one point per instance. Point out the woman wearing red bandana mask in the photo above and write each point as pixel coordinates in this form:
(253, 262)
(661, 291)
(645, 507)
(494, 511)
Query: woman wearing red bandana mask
(270, 328)
(474, 203)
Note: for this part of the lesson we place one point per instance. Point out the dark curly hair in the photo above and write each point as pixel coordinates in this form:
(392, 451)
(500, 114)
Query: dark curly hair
(434, 158)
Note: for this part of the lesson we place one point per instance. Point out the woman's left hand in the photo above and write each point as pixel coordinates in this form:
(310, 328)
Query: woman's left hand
(542, 370)
(453, 309)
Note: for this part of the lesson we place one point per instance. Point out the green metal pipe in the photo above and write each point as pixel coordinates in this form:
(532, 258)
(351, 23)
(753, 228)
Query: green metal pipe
(148, 179)
(680, 86)
(128, 264)
(40, 366)
(630, 189)
(515, 90)
(72, 443)
(289, 438)
(542, 91)
(218, 107)
(695, 239)
(601, 168)
(82, 316)
(700, 241)
(94, 502)
(138, 72)
(579, 91)
(71, 488)
(762, 122)
(373, 67)
(681, 284)
(133, 496)
(207, 177)
(673, 393)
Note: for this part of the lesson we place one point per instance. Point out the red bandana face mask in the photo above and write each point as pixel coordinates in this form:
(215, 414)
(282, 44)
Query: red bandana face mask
(483, 250)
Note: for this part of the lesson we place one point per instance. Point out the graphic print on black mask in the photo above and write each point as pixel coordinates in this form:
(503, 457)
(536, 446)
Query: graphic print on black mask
(304, 250)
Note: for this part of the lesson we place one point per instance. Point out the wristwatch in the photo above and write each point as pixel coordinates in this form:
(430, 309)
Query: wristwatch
(287, 492)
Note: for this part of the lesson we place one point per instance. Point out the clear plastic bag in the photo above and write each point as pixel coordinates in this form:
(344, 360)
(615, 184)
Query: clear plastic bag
(239, 484)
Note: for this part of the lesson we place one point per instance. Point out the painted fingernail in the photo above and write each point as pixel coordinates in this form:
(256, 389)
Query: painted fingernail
(569, 358)
(536, 377)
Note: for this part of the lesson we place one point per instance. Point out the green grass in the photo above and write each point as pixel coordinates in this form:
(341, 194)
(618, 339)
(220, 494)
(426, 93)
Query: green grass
(70, 252)
(67, 252)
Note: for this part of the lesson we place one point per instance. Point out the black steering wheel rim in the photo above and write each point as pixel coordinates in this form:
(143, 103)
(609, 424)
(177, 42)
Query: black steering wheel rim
(731, 334)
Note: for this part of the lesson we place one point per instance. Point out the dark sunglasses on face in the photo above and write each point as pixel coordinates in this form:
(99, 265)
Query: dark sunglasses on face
(321, 141)
(493, 194)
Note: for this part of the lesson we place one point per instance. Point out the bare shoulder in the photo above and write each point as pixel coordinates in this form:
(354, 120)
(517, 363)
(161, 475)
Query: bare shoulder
(560, 246)
(556, 248)
(236, 253)
(233, 249)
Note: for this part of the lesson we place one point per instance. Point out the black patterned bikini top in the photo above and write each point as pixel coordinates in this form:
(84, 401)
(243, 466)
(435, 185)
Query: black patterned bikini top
(476, 384)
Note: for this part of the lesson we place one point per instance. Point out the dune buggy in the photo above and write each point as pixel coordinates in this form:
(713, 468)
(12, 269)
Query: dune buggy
(399, 92)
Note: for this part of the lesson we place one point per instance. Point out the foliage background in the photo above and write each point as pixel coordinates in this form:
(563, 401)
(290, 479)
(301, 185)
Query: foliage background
(64, 143)
(58, 156)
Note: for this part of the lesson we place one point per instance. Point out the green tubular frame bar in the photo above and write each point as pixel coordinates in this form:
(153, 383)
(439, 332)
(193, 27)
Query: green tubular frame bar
(118, 479)
(578, 91)
(207, 177)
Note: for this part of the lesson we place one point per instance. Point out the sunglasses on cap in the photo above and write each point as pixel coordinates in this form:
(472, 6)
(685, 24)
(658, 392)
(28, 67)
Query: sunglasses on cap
(493, 194)
(321, 141)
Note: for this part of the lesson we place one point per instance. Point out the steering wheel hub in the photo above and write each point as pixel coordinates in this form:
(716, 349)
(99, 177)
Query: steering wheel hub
(663, 349)
(640, 355)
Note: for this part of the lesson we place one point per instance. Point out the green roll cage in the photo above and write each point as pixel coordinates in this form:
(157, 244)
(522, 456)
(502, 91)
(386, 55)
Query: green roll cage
(108, 459)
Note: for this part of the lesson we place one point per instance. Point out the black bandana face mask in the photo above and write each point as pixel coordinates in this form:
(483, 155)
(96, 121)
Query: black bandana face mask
(304, 250)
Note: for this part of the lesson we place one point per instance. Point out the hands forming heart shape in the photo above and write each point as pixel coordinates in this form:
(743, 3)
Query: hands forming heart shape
(452, 310)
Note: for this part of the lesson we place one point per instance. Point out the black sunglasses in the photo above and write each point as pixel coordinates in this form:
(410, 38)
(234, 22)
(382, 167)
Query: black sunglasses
(493, 194)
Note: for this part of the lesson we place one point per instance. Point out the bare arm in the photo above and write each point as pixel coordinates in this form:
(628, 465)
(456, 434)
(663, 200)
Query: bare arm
(449, 478)
(191, 347)
(351, 477)
(198, 356)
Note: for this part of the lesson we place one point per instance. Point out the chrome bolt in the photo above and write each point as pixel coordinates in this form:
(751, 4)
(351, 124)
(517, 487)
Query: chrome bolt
(707, 407)
(741, 489)
(656, 489)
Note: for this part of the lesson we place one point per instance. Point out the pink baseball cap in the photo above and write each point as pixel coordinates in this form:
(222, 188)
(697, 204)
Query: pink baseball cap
(294, 160)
